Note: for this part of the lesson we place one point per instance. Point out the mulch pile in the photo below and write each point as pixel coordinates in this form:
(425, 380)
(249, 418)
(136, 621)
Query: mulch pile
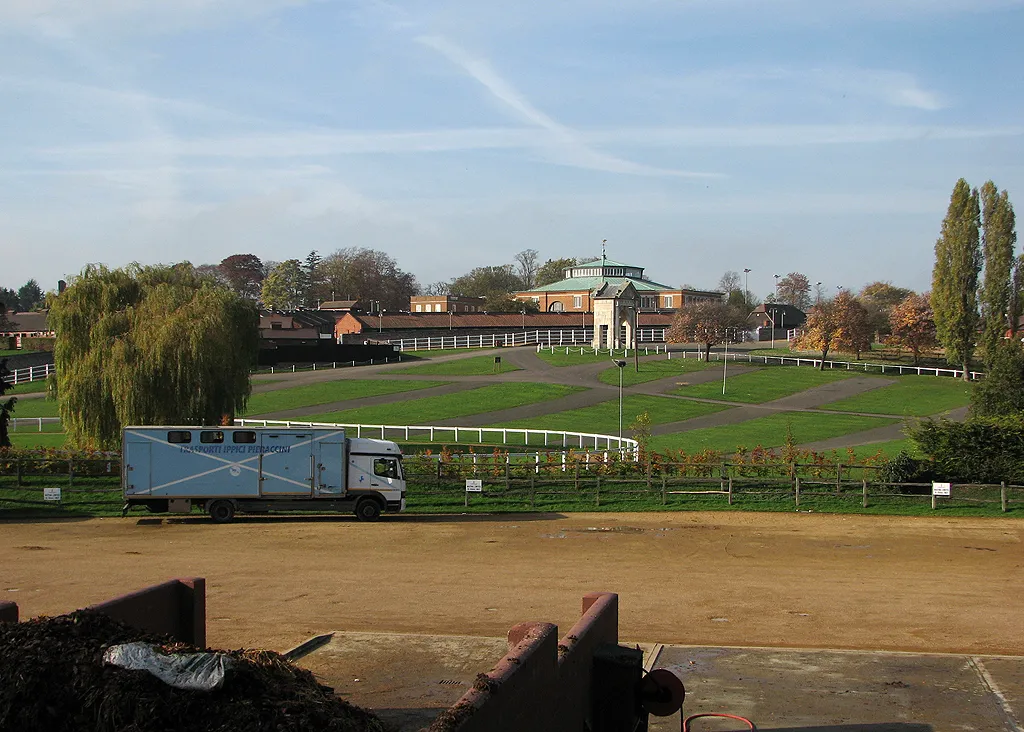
(52, 678)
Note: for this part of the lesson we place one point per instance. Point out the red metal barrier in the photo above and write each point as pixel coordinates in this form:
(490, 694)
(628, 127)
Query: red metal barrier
(176, 607)
(541, 683)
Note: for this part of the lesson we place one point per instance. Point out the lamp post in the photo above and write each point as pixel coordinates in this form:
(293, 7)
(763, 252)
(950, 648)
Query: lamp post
(772, 319)
(621, 365)
(817, 293)
(776, 287)
(449, 319)
(380, 321)
(746, 292)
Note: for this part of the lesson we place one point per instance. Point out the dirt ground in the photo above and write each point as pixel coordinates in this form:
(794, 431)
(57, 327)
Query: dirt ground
(717, 579)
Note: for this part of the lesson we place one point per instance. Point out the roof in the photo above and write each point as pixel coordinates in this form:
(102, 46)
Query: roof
(604, 263)
(28, 322)
(339, 304)
(609, 291)
(440, 321)
(592, 283)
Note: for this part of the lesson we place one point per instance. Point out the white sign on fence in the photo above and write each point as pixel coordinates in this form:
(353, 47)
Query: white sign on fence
(940, 489)
(474, 486)
(51, 494)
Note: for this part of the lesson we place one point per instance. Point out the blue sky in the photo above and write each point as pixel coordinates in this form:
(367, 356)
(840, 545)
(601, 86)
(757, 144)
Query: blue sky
(696, 136)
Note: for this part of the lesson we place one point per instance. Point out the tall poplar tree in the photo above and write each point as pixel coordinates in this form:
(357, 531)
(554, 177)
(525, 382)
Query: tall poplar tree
(998, 237)
(955, 277)
(157, 345)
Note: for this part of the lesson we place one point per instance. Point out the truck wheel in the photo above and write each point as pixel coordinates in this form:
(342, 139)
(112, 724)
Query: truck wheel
(368, 509)
(222, 511)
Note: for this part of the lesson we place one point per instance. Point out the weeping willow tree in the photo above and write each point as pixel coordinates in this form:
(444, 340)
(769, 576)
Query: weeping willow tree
(149, 345)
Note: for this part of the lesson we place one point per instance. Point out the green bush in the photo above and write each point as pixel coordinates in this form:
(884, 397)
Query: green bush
(980, 450)
(1001, 392)
(37, 343)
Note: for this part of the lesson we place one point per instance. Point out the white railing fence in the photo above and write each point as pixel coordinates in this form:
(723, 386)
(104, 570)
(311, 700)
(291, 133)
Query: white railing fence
(433, 433)
(865, 366)
(32, 373)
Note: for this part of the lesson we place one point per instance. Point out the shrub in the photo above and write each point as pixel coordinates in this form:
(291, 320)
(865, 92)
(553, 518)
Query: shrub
(980, 450)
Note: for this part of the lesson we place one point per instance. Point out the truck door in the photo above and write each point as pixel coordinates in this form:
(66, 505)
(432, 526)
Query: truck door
(330, 468)
(286, 464)
(137, 462)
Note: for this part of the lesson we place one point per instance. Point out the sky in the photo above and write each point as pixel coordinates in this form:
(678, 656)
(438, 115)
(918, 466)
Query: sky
(695, 136)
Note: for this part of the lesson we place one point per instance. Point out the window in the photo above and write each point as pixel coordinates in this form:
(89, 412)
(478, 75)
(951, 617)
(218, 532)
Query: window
(419, 308)
(577, 301)
(244, 437)
(668, 301)
(179, 437)
(211, 437)
(276, 326)
(385, 467)
(437, 307)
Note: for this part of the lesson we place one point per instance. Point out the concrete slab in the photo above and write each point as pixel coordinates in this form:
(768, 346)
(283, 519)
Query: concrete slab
(832, 691)
(405, 679)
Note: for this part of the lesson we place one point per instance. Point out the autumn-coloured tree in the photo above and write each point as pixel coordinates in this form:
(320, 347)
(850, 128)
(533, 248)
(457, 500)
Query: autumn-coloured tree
(356, 273)
(244, 273)
(912, 323)
(955, 277)
(707, 322)
(879, 298)
(856, 332)
(794, 289)
(839, 323)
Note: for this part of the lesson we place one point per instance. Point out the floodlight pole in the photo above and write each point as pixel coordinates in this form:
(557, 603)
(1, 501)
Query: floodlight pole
(725, 362)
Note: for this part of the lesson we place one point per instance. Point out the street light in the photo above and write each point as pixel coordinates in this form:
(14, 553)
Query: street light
(776, 286)
(621, 365)
(746, 292)
(817, 293)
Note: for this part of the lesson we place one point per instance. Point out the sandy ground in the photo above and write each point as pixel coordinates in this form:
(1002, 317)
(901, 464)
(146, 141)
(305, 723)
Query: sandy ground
(793, 580)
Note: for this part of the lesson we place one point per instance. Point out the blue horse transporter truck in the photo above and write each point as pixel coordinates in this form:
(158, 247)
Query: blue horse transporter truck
(228, 470)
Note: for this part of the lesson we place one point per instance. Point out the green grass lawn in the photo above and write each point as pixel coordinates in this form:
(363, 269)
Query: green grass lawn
(28, 387)
(572, 356)
(603, 418)
(473, 366)
(768, 431)
(430, 410)
(327, 393)
(915, 396)
(36, 407)
(764, 385)
(661, 368)
(29, 438)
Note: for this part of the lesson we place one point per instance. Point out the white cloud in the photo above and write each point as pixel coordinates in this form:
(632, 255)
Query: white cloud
(566, 146)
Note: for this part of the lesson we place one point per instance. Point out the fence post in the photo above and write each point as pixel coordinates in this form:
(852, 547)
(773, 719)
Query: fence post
(71, 471)
(533, 491)
(933, 500)
(864, 492)
(507, 459)
(597, 491)
(796, 490)
(839, 478)
(17, 470)
(576, 476)
(730, 490)
(1002, 495)
(664, 498)
(648, 475)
